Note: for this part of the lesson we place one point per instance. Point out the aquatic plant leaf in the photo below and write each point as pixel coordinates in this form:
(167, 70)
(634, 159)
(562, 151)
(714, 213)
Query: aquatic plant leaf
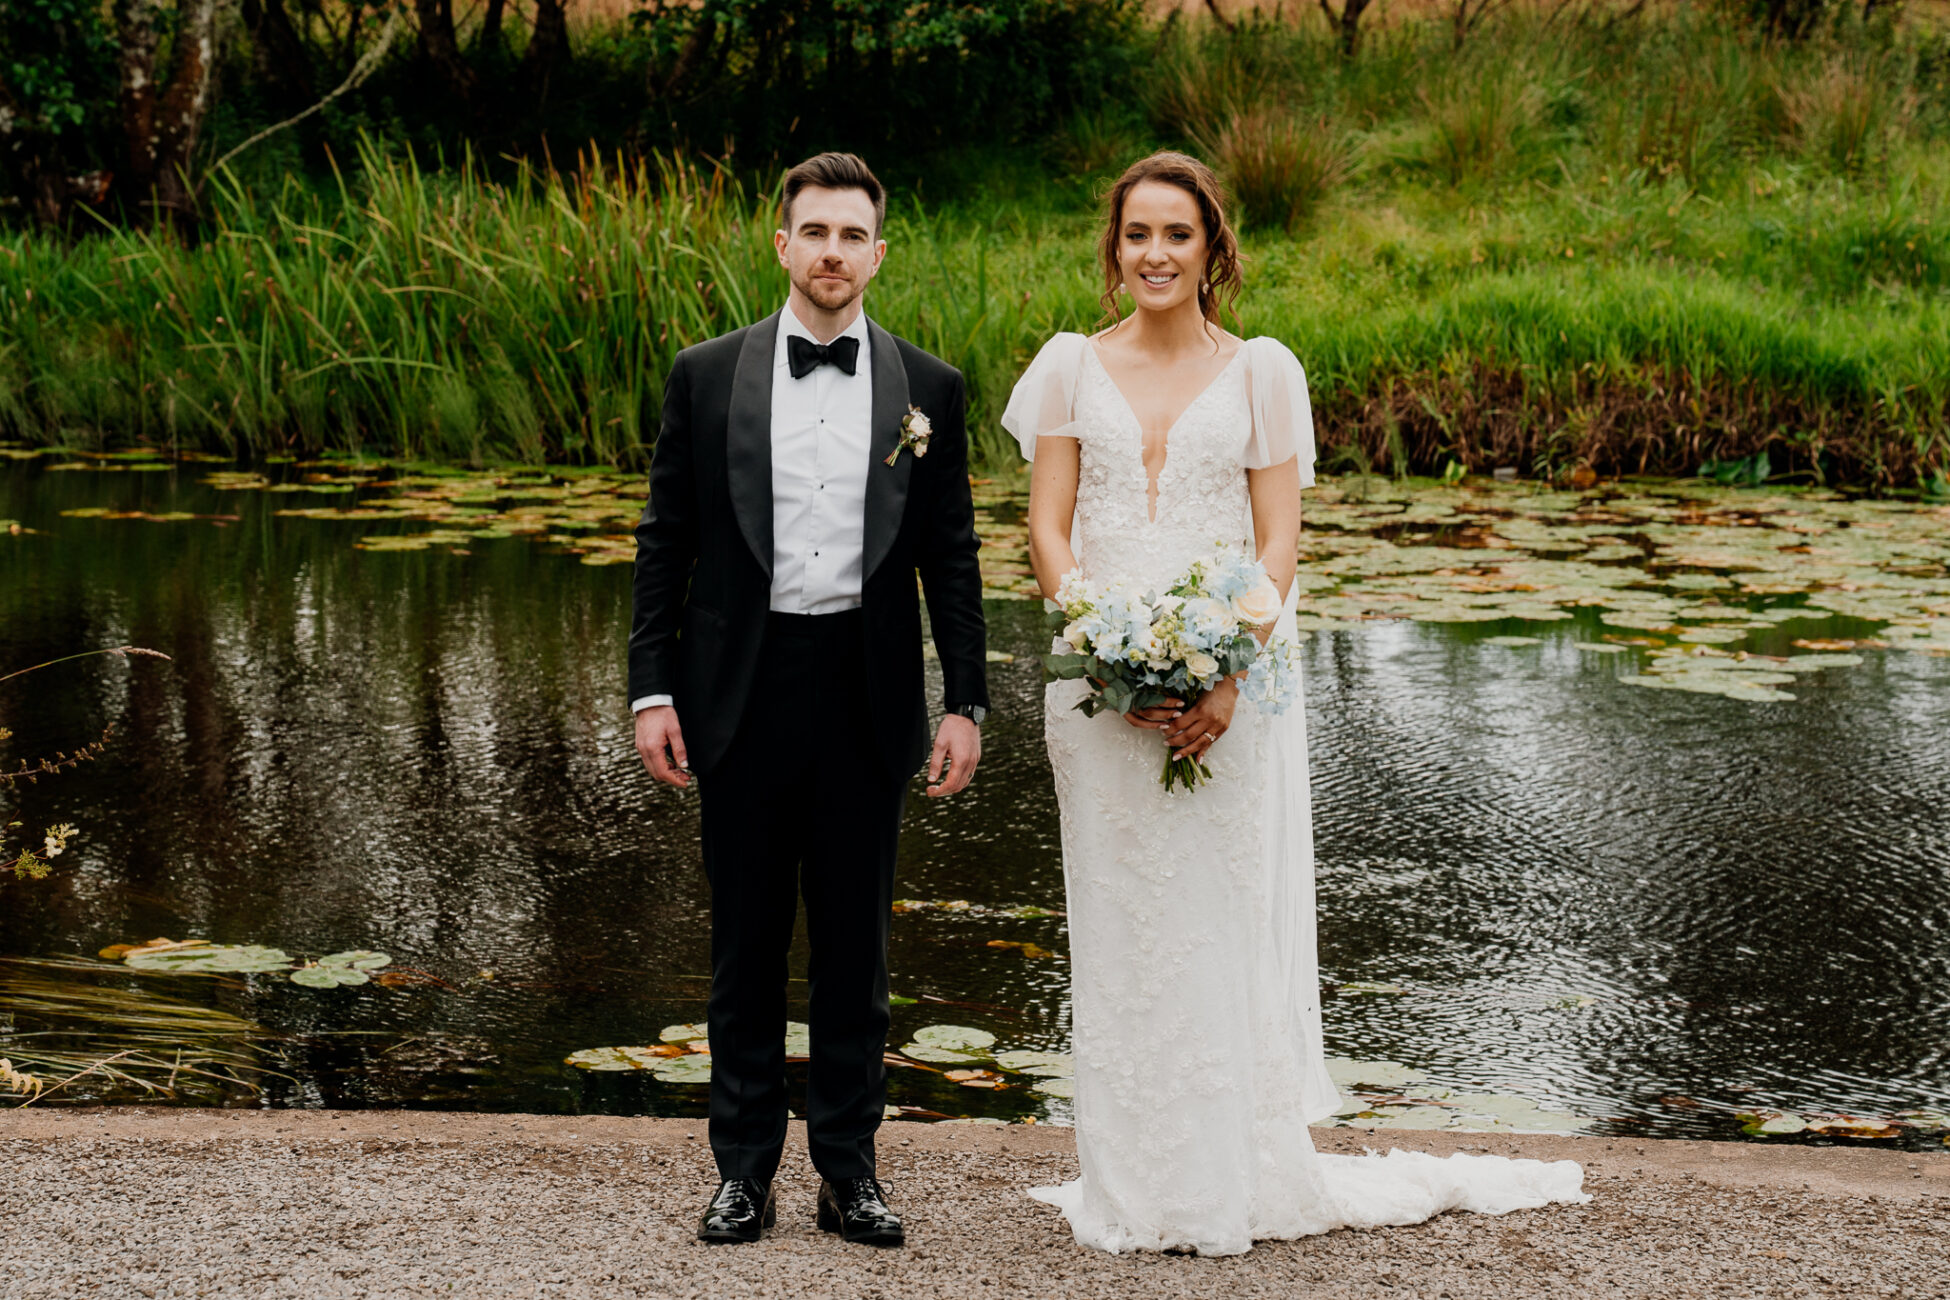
(1367, 988)
(1598, 647)
(1026, 949)
(1809, 663)
(202, 958)
(684, 1033)
(955, 1038)
(1512, 641)
(1851, 1126)
(976, 1078)
(941, 1055)
(616, 1058)
(1770, 1123)
(324, 977)
(693, 1068)
(1064, 1086)
(1383, 1075)
(357, 959)
(1050, 1064)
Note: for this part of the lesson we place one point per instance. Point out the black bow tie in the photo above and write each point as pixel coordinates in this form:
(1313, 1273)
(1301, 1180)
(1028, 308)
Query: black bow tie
(806, 356)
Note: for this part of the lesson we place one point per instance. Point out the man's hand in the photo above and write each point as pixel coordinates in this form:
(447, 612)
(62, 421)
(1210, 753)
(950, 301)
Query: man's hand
(959, 744)
(660, 743)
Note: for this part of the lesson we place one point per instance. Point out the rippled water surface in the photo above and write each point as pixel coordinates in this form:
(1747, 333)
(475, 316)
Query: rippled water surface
(1650, 907)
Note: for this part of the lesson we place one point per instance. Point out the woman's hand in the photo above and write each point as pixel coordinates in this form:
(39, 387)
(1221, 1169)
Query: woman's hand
(1191, 733)
(1157, 718)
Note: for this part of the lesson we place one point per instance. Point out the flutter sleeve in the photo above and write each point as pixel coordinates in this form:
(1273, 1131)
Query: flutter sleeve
(1283, 418)
(1043, 404)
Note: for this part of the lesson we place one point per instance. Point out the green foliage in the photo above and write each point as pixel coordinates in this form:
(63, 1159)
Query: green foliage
(1640, 246)
(56, 65)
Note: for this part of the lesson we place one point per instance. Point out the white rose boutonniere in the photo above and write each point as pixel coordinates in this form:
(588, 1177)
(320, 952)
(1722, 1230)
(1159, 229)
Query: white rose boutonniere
(915, 432)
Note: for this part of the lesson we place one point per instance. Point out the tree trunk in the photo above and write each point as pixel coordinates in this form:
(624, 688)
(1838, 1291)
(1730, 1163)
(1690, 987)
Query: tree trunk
(162, 119)
(135, 57)
(689, 60)
(281, 52)
(548, 43)
(441, 50)
(490, 38)
(1346, 23)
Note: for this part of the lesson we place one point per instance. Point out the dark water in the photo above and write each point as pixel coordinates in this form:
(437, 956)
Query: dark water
(1647, 906)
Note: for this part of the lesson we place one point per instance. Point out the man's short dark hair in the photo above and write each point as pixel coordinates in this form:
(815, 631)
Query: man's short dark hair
(834, 171)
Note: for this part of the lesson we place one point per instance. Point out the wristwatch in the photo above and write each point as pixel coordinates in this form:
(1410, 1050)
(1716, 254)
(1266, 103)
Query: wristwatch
(973, 712)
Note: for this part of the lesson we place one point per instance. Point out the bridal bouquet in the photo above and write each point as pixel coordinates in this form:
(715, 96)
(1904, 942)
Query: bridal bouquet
(1139, 649)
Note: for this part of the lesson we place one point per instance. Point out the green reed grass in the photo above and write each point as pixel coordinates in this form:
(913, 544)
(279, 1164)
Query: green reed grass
(91, 1039)
(1638, 246)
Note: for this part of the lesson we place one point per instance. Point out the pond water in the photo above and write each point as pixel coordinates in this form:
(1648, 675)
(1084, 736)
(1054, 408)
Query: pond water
(1568, 854)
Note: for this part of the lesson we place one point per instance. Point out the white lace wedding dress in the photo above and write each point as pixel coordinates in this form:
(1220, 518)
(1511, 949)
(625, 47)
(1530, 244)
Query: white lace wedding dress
(1195, 1000)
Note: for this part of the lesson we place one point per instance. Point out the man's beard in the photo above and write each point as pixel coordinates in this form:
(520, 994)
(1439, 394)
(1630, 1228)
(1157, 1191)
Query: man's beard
(830, 297)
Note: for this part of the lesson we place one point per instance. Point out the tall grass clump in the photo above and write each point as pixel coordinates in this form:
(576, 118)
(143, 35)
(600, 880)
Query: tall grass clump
(1279, 168)
(1474, 123)
(440, 316)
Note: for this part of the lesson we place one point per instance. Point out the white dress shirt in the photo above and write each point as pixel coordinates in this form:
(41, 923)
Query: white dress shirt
(822, 440)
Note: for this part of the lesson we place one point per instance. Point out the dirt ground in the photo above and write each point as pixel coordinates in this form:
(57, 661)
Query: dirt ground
(161, 1203)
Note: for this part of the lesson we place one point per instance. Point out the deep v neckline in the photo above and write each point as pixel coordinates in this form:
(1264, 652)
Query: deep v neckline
(1154, 483)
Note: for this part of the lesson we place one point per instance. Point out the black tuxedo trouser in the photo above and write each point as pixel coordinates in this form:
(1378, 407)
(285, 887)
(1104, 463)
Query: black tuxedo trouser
(801, 802)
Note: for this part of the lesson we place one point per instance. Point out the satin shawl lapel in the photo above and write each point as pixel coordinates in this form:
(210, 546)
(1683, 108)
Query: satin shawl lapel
(748, 439)
(886, 484)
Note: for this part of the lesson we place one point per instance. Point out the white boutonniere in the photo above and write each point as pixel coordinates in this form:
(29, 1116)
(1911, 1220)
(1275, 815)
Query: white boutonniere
(915, 432)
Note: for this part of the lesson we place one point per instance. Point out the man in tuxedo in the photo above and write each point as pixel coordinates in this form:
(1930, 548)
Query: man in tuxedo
(776, 653)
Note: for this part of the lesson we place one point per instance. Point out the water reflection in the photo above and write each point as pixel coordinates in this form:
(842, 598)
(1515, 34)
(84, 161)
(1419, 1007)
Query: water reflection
(1619, 899)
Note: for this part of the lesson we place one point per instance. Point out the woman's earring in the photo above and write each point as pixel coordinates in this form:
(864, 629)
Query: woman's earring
(1121, 288)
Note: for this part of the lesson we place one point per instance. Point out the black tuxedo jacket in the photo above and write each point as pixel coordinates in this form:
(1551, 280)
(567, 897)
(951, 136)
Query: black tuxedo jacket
(704, 546)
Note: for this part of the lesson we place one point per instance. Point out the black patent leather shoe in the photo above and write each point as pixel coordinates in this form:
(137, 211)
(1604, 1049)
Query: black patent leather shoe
(857, 1210)
(741, 1211)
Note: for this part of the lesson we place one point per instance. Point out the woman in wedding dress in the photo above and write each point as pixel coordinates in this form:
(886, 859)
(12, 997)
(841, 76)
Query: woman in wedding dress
(1196, 1006)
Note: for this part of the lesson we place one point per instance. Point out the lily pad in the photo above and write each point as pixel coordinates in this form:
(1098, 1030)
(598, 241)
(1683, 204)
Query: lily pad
(1851, 1126)
(1512, 641)
(957, 1038)
(210, 959)
(976, 1078)
(1064, 1087)
(615, 1058)
(1053, 1065)
(1385, 1075)
(357, 959)
(692, 1068)
(327, 977)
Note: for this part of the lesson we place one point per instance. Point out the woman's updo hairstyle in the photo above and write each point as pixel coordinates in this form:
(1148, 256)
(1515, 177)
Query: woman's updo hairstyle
(1221, 279)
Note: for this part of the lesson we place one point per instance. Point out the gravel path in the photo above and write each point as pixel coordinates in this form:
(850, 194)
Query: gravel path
(320, 1204)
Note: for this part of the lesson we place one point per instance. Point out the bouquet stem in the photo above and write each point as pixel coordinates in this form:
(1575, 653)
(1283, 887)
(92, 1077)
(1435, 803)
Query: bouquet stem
(1186, 772)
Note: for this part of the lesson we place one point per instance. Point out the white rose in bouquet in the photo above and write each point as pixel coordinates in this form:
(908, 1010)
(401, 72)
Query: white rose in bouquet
(1258, 605)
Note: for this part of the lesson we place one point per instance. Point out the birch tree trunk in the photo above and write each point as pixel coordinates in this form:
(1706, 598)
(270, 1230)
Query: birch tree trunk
(161, 120)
